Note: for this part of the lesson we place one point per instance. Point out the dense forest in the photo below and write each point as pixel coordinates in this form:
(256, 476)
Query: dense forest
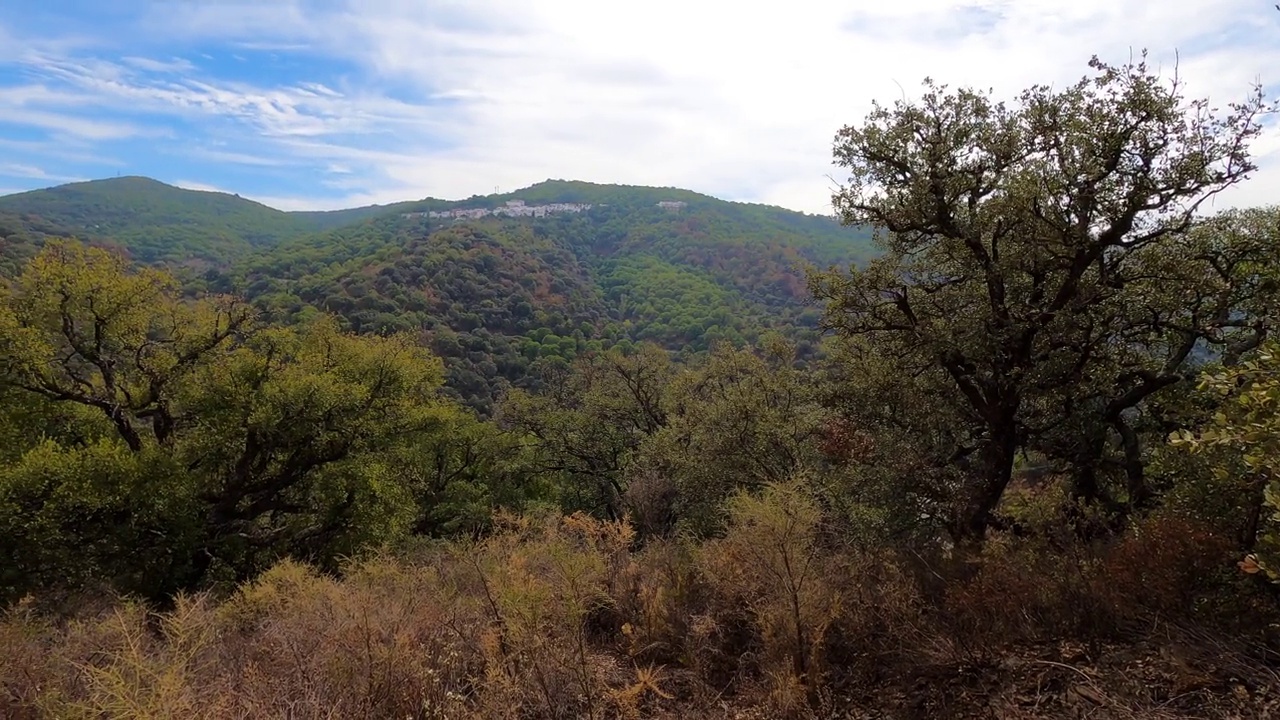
(998, 443)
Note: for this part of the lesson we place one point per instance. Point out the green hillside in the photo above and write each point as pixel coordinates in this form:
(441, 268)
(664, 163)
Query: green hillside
(159, 222)
(156, 222)
(498, 297)
(20, 238)
(330, 219)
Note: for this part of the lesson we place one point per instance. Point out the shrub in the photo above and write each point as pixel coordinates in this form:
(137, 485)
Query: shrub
(770, 563)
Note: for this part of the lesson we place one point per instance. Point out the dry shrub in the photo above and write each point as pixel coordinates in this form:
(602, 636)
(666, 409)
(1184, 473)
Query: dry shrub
(518, 625)
(1034, 590)
(27, 670)
(1164, 564)
(771, 563)
(661, 597)
(128, 663)
(386, 641)
(823, 615)
(561, 617)
(672, 626)
(882, 623)
(157, 666)
(650, 499)
(1019, 592)
(294, 643)
(543, 582)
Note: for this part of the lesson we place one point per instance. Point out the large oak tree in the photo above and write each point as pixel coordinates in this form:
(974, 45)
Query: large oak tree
(1040, 279)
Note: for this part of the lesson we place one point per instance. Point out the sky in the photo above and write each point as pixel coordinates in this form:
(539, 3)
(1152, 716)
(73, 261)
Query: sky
(321, 104)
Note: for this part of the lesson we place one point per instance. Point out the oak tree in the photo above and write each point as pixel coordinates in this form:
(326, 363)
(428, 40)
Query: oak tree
(170, 439)
(1019, 241)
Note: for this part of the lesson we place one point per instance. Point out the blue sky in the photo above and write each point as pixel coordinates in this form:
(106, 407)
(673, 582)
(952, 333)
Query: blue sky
(333, 103)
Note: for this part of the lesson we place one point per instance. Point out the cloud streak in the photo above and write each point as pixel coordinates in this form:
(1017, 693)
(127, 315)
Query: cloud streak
(18, 170)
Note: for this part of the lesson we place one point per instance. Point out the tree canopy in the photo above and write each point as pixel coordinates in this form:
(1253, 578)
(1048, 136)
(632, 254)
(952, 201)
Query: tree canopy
(1030, 250)
(205, 438)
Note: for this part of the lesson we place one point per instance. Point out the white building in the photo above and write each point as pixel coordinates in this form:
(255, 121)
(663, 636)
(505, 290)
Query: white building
(511, 208)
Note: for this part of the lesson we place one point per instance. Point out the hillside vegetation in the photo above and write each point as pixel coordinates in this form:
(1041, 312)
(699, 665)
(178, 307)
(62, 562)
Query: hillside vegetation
(494, 296)
(158, 222)
(499, 467)
(21, 237)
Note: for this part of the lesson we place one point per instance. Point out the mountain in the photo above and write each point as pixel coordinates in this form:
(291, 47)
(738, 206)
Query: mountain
(156, 222)
(502, 286)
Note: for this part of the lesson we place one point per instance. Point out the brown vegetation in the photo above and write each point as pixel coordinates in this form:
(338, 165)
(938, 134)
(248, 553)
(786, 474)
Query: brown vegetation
(563, 617)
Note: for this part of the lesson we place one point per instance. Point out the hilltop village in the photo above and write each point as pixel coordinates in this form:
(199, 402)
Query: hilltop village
(518, 208)
(512, 208)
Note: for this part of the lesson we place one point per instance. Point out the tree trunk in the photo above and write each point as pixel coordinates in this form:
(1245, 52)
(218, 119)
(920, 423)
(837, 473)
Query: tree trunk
(1140, 495)
(124, 426)
(992, 478)
(1253, 517)
(1085, 489)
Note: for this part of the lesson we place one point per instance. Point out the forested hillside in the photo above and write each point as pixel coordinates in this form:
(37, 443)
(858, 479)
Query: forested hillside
(159, 222)
(22, 236)
(495, 295)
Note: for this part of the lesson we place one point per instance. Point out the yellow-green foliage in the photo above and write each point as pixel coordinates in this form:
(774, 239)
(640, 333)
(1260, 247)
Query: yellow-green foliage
(80, 326)
(162, 442)
(1247, 427)
(771, 561)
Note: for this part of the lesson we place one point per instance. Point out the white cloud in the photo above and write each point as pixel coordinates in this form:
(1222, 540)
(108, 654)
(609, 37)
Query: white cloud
(73, 150)
(36, 94)
(200, 186)
(80, 127)
(20, 170)
(306, 110)
(290, 203)
(235, 158)
(741, 100)
(174, 65)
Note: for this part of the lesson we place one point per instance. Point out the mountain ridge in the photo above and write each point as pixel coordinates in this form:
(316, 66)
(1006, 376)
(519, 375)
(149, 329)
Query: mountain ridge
(156, 221)
(537, 191)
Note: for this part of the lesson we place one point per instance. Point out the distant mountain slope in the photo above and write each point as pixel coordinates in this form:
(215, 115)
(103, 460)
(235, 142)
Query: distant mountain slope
(330, 219)
(813, 231)
(499, 295)
(156, 222)
(21, 236)
(159, 222)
